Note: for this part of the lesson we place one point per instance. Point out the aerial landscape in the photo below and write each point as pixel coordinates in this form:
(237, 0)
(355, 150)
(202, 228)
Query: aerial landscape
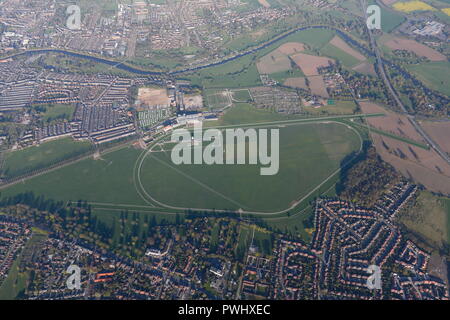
(224, 150)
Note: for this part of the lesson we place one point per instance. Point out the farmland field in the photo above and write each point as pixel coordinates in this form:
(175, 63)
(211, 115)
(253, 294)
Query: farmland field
(439, 132)
(411, 6)
(416, 47)
(390, 18)
(244, 72)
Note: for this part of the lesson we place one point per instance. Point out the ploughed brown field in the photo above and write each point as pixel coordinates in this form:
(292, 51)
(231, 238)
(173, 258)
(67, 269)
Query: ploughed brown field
(317, 86)
(296, 83)
(264, 3)
(309, 64)
(394, 123)
(276, 61)
(389, 2)
(439, 132)
(423, 166)
(152, 96)
(365, 68)
(416, 47)
(290, 48)
(341, 44)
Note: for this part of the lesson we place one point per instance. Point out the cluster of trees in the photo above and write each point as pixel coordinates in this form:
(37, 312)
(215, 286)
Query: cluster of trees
(365, 86)
(417, 97)
(365, 182)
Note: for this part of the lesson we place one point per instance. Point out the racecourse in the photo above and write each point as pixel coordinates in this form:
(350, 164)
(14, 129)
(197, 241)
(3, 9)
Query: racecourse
(111, 182)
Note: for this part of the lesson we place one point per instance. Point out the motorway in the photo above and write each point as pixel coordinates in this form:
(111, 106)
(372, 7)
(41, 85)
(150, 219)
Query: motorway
(394, 94)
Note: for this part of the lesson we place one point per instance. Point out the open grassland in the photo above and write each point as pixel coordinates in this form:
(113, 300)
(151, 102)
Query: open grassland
(428, 218)
(390, 19)
(309, 154)
(434, 75)
(37, 157)
(334, 52)
(107, 180)
(339, 107)
(413, 46)
(57, 111)
(340, 50)
(341, 44)
(245, 113)
(217, 99)
(281, 77)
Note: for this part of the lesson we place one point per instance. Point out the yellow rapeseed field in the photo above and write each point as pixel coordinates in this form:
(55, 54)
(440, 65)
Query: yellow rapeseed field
(411, 6)
(446, 11)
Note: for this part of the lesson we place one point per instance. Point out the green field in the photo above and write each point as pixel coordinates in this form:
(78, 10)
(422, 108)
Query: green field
(339, 107)
(37, 157)
(309, 153)
(108, 180)
(242, 95)
(57, 111)
(243, 72)
(433, 74)
(429, 218)
(333, 52)
(245, 113)
(217, 99)
(390, 19)
(283, 75)
(16, 280)
(446, 204)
